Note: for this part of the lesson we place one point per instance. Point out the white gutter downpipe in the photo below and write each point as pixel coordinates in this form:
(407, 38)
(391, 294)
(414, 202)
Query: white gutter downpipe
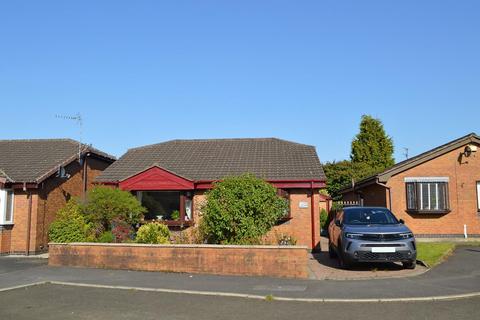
(465, 231)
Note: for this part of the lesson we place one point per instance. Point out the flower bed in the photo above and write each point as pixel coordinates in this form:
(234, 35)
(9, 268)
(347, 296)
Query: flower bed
(274, 261)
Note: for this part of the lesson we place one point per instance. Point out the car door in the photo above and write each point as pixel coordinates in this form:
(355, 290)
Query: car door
(336, 230)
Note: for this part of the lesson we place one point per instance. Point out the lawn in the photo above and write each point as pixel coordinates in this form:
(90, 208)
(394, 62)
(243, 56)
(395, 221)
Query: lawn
(432, 253)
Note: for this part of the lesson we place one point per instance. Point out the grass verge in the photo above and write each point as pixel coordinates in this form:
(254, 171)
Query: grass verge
(432, 253)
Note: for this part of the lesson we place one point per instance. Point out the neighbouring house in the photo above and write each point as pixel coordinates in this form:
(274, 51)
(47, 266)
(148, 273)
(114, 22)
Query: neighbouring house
(170, 179)
(37, 178)
(436, 193)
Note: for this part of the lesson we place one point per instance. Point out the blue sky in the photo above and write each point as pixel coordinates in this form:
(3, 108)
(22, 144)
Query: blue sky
(142, 72)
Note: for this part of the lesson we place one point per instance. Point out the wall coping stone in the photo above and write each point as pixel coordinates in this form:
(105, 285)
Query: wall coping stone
(208, 246)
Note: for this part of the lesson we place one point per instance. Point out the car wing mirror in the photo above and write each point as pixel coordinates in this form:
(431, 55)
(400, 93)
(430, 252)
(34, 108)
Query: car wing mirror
(401, 221)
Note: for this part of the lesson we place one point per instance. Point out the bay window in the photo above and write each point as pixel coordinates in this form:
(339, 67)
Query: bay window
(6, 206)
(170, 207)
(427, 195)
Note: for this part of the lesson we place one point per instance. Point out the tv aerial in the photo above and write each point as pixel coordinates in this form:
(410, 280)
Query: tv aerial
(78, 121)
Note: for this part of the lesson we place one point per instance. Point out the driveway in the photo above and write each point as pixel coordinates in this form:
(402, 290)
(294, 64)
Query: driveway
(322, 267)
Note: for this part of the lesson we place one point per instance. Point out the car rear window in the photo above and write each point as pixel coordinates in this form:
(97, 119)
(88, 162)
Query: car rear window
(365, 216)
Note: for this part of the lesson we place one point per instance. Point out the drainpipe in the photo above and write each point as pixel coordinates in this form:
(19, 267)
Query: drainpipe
(312, 211)
(29, 220)
(389, 194)
(84, 176)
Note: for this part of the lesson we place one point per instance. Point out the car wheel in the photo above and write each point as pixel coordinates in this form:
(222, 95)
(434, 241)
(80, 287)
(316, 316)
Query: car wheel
(410, 264)
(331, 252)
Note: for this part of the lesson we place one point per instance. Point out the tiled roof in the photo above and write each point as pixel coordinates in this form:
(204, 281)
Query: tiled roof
(34, 160)
(213, 159)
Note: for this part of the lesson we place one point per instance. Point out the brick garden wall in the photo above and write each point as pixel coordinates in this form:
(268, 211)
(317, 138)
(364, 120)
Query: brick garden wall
(274, 261)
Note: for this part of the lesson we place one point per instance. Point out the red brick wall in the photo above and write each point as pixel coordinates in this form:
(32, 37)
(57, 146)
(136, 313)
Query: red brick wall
(5, 239)
(462, 194)
(271, 261)
(56, 192)
(299, 226)
(46, 201)
(18, 243)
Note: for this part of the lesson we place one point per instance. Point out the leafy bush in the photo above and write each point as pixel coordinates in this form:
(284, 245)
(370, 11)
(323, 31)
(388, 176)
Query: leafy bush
(122, 230)
(240, 210)
(106, 237)
(104, 204)
(70, 225)
(153, 232)
(323, 219)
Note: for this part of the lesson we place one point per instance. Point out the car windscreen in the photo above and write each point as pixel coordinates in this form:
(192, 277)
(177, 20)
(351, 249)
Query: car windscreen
(365, 216)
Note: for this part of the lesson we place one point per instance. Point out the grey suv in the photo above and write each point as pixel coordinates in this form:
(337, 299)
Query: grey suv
(370, 234)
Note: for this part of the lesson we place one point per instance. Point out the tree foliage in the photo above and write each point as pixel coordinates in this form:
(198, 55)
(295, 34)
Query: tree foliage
(70, 225)
(371, 153)
(372, 146)
(104, 204)
(240, 210)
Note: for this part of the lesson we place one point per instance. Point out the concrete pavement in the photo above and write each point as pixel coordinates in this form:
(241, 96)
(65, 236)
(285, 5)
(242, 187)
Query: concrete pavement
(459, 275)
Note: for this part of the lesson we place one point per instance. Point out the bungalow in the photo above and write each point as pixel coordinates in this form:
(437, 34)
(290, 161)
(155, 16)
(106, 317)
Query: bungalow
(170, 179)
(437, 193)
(37, 177)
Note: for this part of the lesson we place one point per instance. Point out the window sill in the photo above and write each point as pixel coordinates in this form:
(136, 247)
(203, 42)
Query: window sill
(431, 212)
(171, 223)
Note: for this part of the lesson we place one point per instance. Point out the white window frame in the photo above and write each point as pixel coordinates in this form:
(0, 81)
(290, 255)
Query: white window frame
(4, 205)
(478, 196)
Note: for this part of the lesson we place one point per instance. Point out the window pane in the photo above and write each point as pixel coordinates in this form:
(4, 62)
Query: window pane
(442, 196)
(188, 209)
(425, 196)
(9, 206)
(161, 205)
(411, 199)
(433, 196)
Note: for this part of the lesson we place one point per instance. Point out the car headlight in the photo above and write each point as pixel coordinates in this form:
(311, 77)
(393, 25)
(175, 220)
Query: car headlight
(406, 235)
(354, 235)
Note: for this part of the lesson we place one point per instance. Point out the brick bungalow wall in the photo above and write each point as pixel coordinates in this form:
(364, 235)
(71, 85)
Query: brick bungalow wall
(299, 226)
(274, 261)
(461, 188)
(46, 201)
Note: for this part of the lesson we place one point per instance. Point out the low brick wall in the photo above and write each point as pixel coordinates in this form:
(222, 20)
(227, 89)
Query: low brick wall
(274, 261)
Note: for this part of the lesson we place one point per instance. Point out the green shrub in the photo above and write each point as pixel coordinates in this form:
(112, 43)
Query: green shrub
(153, 232)
(106, 237)
(70, 225)
(241, 210)
(104, 204)
(323, 219)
